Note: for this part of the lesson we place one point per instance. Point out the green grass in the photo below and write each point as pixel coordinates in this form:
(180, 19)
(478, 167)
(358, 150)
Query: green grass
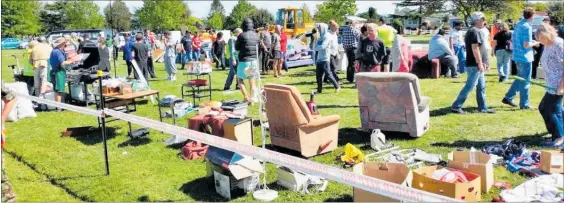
(44, 166)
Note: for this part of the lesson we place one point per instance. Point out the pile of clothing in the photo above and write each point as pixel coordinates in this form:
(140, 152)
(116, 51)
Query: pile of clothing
(517, 157)
(506, 149)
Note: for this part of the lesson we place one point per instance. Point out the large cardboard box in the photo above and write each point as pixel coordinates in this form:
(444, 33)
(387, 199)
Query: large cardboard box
(397, 173)
(552, 161)
(232, 172)
(470, 191)
(474, 162)
(240, 130)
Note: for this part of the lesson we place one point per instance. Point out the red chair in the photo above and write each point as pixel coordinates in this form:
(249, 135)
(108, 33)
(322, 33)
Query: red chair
(424, 68)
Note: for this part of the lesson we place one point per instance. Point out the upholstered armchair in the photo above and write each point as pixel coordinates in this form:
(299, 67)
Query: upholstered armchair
(293, 127)
(392, 102)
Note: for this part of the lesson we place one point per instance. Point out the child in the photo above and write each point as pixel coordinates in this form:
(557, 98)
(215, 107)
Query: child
(371, 52)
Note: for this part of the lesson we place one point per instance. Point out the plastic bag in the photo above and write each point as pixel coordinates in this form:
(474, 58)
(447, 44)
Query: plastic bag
(352, 155)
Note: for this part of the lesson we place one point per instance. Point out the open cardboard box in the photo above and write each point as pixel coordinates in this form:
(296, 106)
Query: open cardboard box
(552, 161)
(470, 191)
(474, 162)
(397, 173)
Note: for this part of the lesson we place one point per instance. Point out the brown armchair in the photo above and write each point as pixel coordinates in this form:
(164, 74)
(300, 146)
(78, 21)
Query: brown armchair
(293, 127)
(392, 102)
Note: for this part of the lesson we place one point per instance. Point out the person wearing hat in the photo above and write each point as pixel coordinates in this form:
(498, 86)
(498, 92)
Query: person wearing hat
(475, 66)
(523, 56)
(58, 61)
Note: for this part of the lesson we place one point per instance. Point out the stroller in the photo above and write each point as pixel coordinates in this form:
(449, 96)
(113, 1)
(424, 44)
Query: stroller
(20, 77)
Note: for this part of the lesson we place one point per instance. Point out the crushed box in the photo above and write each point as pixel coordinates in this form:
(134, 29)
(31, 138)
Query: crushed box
(397, 173)
(552, 161)
(474, 162)
(469, 191)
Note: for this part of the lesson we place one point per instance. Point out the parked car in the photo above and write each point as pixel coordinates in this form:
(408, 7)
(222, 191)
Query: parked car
(94, 34)
(10, 43)
(23, 44)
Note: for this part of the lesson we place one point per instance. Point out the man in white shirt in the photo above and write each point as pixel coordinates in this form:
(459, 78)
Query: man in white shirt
(456, 41)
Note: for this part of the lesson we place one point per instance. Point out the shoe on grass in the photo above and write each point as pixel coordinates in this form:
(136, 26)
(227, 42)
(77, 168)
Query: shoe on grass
(510, 103)
(490, 111)
(458, 111)
(525, 108)
(557, 143)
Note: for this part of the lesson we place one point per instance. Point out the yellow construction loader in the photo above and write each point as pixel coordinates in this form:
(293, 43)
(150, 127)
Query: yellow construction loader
(292, 20)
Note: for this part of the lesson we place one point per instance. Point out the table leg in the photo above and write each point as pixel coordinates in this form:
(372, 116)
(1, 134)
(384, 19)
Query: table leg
(209, 86)
(159, 104)
(173, 116)
(85, 93)
(128, 123)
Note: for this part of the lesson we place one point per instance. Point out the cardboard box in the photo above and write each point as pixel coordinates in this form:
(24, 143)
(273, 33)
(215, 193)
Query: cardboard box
(290, 179)
(552, 161)
(232, 172)
(470, 191)
(240, 130)
(397, 173)
(474, 162)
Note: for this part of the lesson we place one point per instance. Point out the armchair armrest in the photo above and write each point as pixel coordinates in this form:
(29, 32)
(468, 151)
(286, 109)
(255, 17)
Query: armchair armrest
(320, 121)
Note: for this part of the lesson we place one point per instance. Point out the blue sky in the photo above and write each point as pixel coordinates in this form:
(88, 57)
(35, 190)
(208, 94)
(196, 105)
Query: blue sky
(201, 8)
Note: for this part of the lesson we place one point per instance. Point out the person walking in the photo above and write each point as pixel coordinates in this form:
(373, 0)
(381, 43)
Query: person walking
(104, 53)
(371, 52)
(502, 51)
(476, 48)
(456, 42)
(283, 49)
(386, 33)
(149, 41)
(276, 53)
(218, 51)
(247, 67)
(232, 57)
(127, 56)
(550, 106)
(170, 57)
(334, 60)
(523, 56)
(325, 44)
(116, 44)
(265, 49)
(186, 54)
(351, 37)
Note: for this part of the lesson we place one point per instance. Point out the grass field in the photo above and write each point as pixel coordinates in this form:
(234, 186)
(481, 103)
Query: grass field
(44, 166)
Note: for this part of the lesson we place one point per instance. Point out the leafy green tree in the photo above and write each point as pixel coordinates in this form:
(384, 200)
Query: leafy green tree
(118, 15)
(242, 10)
(215, 21)
(424, 7)
(83, 14)
(262, 17)
(20, 18)
(335, 10)
(371, 14)
(53, 16)
(307, 14)
(217, 7)
(539, 6)
(163, 15)
(467, 7)
(556, 9)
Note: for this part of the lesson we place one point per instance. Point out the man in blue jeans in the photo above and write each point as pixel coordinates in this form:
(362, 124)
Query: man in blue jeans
(186, 54)
(523, 56)
(475, 66)
(232, 58)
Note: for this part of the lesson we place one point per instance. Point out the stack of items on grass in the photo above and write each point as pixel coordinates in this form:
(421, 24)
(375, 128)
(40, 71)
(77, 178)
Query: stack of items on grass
(23, 107)
(199, 67)
(179, 107)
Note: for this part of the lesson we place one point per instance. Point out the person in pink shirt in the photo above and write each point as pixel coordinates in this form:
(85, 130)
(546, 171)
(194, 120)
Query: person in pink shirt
(196, 46)
(283, 49)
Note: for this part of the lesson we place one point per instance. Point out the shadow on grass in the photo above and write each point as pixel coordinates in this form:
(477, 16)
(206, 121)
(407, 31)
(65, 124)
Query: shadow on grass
(202, 189)
(303, 83)
(359, 136)
(304, 73)
(93, 136)
(530, 141)
(134, 142)
(146, 198)
(77, 177)
(284, 150)
(470, 110)
(341, 198)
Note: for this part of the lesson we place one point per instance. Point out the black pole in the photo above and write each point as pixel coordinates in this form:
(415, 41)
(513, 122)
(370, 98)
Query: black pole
(103, 121)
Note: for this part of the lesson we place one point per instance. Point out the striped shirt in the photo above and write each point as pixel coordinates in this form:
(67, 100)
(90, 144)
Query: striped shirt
(350, 37)
(523, 33)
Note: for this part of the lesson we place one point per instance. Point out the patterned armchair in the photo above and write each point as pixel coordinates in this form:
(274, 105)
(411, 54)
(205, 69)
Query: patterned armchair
(293, 127)
(392, 102)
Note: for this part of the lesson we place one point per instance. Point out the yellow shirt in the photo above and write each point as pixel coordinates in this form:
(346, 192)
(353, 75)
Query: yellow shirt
(386, 34)
(40, 54)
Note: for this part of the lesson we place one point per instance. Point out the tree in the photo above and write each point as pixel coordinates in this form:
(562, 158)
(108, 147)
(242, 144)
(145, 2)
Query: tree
(512, 10)
(53, 16)
(217, 7)
(556, 9)
(370, 15)
(539, 6)
(118, 16)
(163, 15)
(215, 21)
(335, 10)
(467, 7)
(307, 14)
(20, 18)
(425, 7)
(242, 10)
(261, 18)
(83, 14)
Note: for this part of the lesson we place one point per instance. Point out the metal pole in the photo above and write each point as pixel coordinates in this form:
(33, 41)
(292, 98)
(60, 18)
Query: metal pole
(103, 121)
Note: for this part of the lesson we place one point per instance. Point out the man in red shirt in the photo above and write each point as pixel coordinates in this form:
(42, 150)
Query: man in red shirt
(283, 49)
(196, 46)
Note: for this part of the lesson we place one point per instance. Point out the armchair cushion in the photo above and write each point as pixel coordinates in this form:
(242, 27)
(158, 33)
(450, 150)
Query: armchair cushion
(424, 104)
(321, 121)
